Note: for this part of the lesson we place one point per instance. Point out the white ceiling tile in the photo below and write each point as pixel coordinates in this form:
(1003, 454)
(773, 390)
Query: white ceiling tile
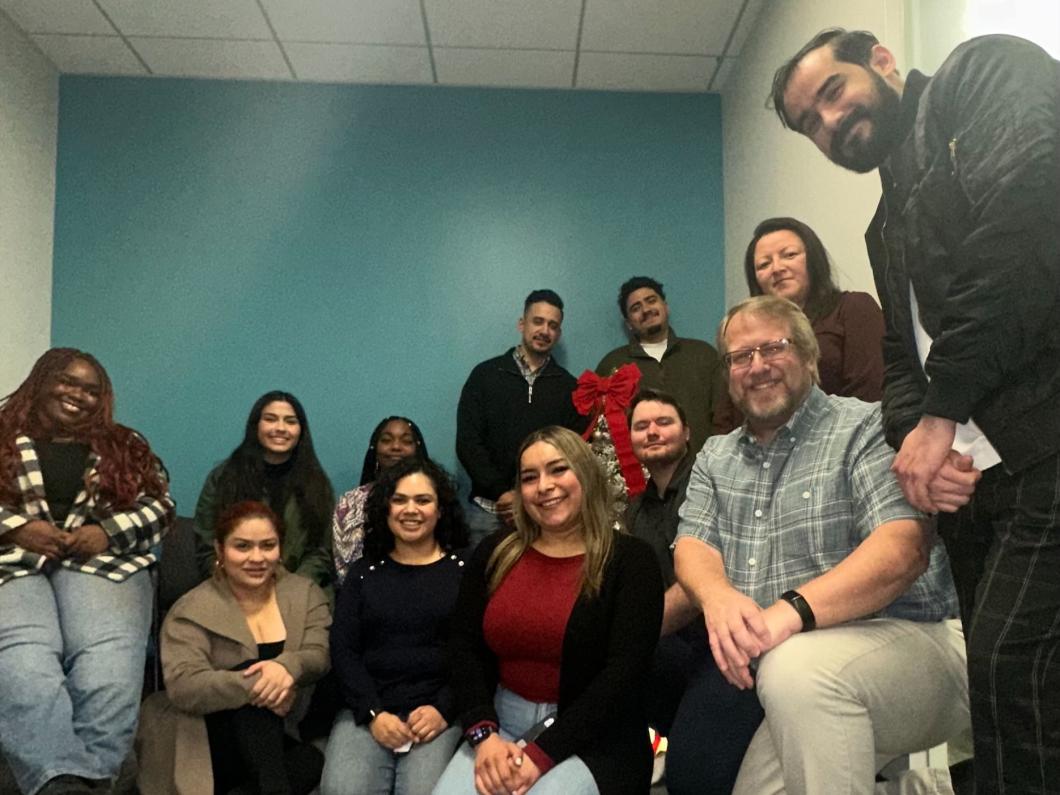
(338, 21)
(358, 63)
(212, 19)
(624, 72)
(57, 16)
(533, 24)
(723, 74)
(99, 55)
(517, 68)
(659, 26)
(747, 24)
(252, 60)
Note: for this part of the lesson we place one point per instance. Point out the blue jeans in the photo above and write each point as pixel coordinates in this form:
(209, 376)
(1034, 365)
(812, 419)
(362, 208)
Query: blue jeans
(72, 649)
(518, 716)
(480, 523)
(358, 765)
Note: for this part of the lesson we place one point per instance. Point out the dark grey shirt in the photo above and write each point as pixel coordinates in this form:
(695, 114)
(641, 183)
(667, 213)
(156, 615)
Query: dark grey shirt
(654, 519)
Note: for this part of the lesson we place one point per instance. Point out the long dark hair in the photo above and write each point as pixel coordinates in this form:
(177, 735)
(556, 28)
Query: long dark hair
(243, 476)
(823, 295)
(450, 532)
(370, 469)
(127, 466)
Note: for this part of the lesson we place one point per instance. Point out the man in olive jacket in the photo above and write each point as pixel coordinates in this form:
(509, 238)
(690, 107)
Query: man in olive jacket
(686, 368)
(964, 250)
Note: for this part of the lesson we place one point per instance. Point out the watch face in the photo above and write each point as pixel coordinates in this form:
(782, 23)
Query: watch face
(479, 734)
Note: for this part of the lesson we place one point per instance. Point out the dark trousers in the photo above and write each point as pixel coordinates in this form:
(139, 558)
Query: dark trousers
(710, 734)
(1004, 548)
(677, 656)
(250, 753)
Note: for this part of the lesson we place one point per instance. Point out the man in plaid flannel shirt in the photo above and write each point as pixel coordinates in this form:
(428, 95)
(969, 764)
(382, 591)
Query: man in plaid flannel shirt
(794, 523)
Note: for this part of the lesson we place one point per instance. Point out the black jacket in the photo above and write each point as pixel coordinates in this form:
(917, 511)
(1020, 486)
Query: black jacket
(607, 651)
(969, 217)
(498, 409)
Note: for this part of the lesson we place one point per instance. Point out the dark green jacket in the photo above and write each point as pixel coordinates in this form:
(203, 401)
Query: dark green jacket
(314, 563)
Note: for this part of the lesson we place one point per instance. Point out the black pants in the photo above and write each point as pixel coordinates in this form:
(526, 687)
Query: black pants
(250, 753)
(1004, 548)
(677, 657)
(710, 734)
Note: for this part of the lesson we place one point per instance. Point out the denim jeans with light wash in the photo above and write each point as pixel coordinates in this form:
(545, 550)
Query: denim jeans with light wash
(358, 765)
(480, 522)
(518, 716)
(72, 649)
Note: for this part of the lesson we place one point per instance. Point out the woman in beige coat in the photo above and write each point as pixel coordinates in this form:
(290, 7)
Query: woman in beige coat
(237, 654)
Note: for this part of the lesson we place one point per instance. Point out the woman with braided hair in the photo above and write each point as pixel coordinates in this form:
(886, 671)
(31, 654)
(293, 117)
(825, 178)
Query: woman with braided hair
(83, 501)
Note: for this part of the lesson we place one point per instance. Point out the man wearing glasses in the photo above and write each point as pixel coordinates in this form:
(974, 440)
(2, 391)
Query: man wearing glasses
(821, 586)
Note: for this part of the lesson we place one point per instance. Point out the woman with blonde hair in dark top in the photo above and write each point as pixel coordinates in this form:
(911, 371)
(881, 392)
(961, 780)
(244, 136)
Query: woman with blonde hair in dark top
(553, 636)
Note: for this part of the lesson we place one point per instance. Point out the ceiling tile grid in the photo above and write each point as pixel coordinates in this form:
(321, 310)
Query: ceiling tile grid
(614, 45)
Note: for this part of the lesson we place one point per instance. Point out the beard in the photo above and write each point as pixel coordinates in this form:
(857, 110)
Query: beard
(864, 154)
(763, 410)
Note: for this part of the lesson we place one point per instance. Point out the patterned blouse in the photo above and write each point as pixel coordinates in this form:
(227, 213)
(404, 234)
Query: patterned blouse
(347, 530)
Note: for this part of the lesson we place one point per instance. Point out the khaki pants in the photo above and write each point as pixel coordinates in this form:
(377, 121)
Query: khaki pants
(842, 702)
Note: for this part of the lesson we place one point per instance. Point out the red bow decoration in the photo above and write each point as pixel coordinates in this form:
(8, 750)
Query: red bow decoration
(611, 396)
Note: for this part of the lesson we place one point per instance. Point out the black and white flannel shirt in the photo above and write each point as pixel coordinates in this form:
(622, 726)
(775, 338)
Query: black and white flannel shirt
(132, 533)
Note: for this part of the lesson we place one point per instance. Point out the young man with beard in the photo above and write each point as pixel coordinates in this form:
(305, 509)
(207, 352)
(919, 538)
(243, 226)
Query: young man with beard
(822, 588)
(965, 251)
(686, 368)
(505, 399)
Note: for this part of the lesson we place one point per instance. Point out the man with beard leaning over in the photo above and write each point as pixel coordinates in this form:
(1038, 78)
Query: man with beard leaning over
(686, 368)
(965, 251)
(504, 400)
(821, 586)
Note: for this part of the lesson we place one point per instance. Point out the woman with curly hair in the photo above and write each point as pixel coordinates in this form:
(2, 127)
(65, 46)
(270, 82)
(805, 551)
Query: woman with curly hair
(553, 634)
(83, 501)
(390, 638)
(393, 440)
(276, 464)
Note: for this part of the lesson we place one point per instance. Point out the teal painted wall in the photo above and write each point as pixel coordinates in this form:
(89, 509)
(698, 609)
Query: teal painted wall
(361, 246)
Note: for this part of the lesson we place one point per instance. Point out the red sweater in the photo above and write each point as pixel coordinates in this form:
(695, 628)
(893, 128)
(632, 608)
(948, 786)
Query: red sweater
(526, 619)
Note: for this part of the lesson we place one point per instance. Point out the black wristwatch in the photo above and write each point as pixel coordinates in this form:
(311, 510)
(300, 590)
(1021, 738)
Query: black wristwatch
(479, 734)
(802, 607)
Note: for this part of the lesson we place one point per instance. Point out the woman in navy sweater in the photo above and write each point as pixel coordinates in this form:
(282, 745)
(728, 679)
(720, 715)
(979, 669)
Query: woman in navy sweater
(553, 634)
(389, 639)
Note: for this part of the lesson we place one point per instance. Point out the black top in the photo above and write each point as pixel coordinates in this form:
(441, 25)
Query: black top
(62, 466)
(390, 634)
(654, 519)
(270, 651)
(607, 650)
(276, 483)
(969, 221)
(498, 409)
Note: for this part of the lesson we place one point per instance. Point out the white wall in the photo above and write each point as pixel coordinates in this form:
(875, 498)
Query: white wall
(29, 105)
(771, 171)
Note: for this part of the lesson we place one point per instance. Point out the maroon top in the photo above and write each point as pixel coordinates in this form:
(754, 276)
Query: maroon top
(851, 340)
(526, 619)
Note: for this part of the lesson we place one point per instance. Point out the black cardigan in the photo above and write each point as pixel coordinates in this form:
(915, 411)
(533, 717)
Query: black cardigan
(607, 651)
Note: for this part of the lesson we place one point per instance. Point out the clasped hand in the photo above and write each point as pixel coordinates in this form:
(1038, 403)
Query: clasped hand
(502, 768)
(933, 476)
(274, 690)
(423, 725)
(741, 631)
(44, 538)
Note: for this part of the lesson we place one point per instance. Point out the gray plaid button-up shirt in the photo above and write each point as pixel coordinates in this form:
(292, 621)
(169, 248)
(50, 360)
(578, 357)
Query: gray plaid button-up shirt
(786, 512)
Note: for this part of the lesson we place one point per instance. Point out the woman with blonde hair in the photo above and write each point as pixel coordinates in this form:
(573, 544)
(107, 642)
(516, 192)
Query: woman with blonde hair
(553, 634)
